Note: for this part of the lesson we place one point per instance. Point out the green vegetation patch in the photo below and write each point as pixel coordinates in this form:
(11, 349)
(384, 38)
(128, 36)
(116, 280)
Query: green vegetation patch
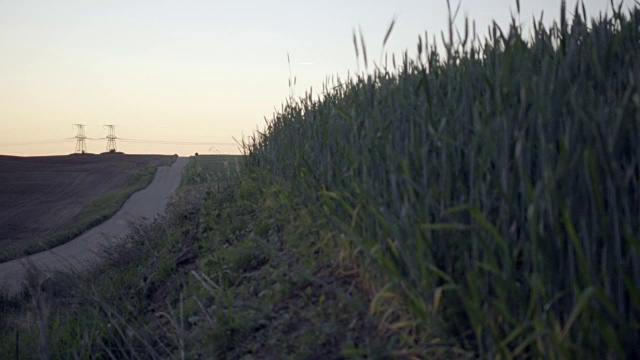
(269, 283)
(494, 185)
(210, 169)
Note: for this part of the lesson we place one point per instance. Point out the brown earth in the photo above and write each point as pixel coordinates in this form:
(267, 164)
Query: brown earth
(42, 195)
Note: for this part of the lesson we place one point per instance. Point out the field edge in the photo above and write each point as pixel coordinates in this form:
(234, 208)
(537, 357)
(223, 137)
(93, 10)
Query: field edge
(95, 213)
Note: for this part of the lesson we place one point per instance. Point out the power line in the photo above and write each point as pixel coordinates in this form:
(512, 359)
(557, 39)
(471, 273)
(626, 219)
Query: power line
(168, 142)
(81, 139)
(140, 141)
(38, 142)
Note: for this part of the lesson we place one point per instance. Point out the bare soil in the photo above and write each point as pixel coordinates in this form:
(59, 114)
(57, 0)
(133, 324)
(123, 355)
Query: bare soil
(42, 195)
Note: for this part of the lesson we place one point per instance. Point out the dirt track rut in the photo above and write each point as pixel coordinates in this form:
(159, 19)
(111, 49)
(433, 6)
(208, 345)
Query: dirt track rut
(83, 251)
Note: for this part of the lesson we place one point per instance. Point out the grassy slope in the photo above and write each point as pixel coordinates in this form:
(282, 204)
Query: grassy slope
(99, 210)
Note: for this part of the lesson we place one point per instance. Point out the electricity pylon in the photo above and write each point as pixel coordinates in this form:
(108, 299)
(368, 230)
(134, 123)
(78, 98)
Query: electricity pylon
(81, 144)
(111, 138)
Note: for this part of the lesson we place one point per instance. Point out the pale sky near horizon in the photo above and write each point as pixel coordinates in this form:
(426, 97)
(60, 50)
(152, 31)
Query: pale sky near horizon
(195, 71)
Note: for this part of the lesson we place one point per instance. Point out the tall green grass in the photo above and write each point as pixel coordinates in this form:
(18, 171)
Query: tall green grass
(494, 185)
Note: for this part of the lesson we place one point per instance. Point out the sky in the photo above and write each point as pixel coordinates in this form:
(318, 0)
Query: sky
(196, 76)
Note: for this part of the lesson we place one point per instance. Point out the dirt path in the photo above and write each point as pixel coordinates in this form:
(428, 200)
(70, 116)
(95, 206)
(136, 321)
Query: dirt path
(84, 250)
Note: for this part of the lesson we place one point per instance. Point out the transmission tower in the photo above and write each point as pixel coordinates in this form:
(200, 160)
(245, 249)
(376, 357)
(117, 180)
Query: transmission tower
(111, 138)
(81, 144)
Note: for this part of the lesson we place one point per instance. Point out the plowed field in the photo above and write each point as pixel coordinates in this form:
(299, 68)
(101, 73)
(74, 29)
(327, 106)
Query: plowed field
(40, 196)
